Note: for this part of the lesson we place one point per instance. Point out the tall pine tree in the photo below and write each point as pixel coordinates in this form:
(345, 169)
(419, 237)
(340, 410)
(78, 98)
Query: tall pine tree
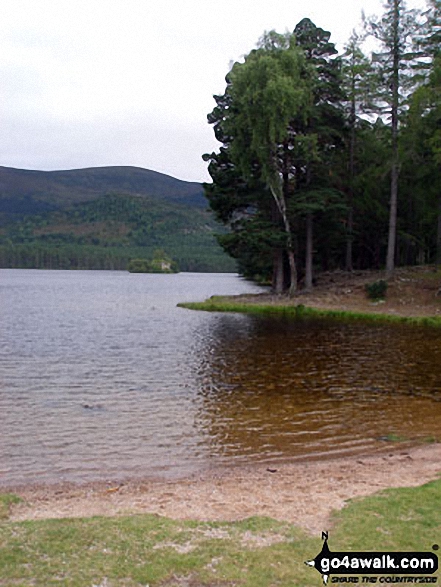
(393, 31)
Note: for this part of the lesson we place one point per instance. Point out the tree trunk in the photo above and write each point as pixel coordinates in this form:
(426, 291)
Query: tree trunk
(279, 197)
(390, 260)
(349, 238)
(438, 235)
(289, 249)
(309, 252)
(278, 272)
(290, 245)
(350, 227)
(292, 271)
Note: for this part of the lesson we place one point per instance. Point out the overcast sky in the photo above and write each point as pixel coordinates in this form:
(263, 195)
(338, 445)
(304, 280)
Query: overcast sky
(86, 83)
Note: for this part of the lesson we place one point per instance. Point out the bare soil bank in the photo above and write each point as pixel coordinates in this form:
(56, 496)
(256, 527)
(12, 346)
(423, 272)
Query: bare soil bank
(412, 292)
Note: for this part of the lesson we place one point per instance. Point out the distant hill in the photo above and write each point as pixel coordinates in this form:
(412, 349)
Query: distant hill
(25, 191)
(101, 218)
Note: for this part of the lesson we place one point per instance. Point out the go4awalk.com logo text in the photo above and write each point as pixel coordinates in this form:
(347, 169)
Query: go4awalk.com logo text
(375, 567)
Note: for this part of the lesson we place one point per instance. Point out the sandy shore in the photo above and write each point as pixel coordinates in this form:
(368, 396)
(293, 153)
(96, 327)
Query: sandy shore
(302, 493)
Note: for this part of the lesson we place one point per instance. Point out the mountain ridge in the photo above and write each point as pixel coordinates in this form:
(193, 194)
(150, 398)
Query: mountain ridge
(60, 188)
(103, 217)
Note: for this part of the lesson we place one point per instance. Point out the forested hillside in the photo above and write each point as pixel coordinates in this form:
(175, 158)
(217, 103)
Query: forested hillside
(24, 191)
(103, 218)
(332, 160)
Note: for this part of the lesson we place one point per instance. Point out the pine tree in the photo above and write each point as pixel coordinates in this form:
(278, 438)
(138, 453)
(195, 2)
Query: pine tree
(322, 129)
(393, 31)
(357, 83)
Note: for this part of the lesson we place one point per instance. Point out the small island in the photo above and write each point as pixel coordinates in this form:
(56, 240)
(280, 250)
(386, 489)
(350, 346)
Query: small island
(161, 263)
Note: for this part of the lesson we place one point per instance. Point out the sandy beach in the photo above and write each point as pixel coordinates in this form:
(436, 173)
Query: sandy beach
(304, 493)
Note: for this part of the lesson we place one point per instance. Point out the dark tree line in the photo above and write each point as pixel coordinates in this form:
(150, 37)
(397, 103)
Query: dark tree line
(332, 161)
(107, 233)
(35, 255)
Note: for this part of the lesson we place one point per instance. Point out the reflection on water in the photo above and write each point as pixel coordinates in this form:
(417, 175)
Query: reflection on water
(275, 388)
(98, 373)
(102, 377)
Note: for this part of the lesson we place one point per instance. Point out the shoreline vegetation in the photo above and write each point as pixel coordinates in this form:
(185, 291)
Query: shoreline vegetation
(160, 263)
(412, 297)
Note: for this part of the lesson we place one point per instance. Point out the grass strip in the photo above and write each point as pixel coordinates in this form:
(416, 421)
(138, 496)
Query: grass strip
(407, 519)
(257, 552)
(7, 500)
(223, 304)
(152, 550)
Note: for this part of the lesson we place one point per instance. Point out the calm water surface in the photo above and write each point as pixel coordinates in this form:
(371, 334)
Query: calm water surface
(103, 377)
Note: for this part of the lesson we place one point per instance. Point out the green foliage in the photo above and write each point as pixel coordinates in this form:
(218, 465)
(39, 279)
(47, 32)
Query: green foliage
(106, 233)
(421, 156)
(280, 123)
(242, 206)
(161, 263)
(267, 90)
(298, 145)
(139, 266)
(376, 290)
(394, 31)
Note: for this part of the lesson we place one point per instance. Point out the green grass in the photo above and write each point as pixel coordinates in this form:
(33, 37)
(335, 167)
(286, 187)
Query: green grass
(148, 549)
(392, 437)
(223, 304)
(6, 501)
(257, 552)
(395, 519)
